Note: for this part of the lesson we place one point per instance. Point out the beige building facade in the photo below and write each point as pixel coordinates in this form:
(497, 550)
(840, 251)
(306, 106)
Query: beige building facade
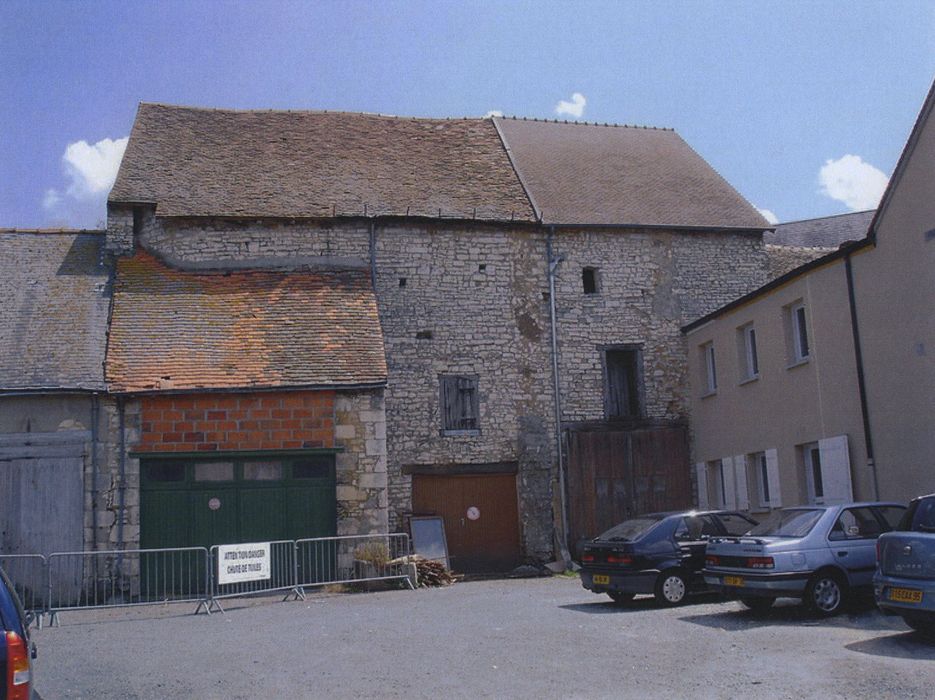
(820, 386)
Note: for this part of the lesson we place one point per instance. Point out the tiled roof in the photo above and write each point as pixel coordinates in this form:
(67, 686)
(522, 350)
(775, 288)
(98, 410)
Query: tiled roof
(206, 162)
(620, 175)
(53, 315)
(175, 330)
(826, 232)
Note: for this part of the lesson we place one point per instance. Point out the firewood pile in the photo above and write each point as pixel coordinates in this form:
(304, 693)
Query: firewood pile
(429, 571)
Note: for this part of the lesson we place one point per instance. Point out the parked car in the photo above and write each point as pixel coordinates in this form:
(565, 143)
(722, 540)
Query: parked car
(16, 650)
(817, 553)
(659, 553)
(905, 579)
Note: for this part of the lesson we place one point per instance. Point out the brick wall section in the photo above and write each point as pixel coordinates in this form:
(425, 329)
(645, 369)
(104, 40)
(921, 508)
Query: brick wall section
(263, 421)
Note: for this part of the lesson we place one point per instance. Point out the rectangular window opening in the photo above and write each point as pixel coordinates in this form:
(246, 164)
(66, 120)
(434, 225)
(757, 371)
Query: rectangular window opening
(622, 383)
(748, 354)
(460, 406)
(710, 368)
(811, 457)
(589, 280)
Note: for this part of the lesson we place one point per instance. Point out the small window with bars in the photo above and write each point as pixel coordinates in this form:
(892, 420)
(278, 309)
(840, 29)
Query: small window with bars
(459, 404)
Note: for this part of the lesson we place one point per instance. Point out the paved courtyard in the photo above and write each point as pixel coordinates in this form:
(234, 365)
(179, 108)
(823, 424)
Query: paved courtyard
(533, 638)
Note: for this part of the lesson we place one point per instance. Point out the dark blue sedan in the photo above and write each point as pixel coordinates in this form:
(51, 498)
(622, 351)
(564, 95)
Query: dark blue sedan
(659, 553)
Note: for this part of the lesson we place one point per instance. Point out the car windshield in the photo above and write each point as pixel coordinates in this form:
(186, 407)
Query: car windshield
(631, 529)
(787, 523)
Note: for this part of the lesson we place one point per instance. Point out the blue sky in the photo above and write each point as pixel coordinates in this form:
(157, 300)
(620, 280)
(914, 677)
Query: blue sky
(803, 106)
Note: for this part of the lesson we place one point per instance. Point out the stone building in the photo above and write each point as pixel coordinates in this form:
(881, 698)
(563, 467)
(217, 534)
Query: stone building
(531, 279)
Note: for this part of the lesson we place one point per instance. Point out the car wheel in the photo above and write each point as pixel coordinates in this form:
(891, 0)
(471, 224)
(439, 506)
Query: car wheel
(758, 604)
(620, 596)
(825, 594)
(671, 588)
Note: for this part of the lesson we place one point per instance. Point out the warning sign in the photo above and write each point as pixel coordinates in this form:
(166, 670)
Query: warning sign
(243, 562)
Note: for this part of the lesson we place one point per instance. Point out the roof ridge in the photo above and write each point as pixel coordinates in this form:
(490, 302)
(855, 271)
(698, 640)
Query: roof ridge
(830, 216)
(576, 122)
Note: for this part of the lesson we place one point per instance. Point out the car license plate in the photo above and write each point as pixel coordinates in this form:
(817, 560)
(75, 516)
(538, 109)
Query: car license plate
(904, 595)
(733, 580)
(601, 579)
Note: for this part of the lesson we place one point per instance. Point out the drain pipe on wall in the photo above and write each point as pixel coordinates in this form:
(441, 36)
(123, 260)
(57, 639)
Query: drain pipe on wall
(861, 386)
(553, 264)
(122, 485)
(95, 417)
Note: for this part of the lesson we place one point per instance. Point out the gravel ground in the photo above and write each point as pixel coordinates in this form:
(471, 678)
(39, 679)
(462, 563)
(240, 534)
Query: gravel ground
(533, 638)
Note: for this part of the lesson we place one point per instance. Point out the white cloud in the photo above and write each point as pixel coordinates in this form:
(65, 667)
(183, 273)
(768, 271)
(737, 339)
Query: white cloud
(852, 181)
(51, 199)
(493, 113)
(91, 170)
(575, 108)
(768, 215)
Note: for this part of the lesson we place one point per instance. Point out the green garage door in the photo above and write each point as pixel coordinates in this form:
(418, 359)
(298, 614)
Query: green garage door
(225, 500)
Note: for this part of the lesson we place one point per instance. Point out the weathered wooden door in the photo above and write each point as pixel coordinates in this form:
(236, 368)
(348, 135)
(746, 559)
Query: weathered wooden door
(616, 474)
(42, 502)
(480, 514)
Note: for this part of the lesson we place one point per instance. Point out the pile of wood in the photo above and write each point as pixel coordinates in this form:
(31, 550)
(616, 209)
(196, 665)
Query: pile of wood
(429, 571)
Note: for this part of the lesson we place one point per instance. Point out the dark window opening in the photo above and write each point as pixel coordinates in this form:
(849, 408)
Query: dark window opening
(622, 389)
(402, 281)
(423, 335)
(481, 267)
(459, 403)
(589, 280)
(165, 471)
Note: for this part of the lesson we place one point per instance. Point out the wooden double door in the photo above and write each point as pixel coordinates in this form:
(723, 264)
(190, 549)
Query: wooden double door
(481, 518)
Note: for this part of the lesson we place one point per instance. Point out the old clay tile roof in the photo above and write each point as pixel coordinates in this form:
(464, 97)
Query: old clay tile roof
(294, 164)
(54, 297)
(621, 175)
(177, 330)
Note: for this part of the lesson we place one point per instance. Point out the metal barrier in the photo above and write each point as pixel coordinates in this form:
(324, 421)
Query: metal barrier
(353, 559)
(131, 577)
(121, 578)
(282, 576)
(27, 572)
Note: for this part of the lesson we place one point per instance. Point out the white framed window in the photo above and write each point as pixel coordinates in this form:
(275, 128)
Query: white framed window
(710, 368)
(761, 478)
(811, 458)
(718, 484)
(799, 328)
(748, 356)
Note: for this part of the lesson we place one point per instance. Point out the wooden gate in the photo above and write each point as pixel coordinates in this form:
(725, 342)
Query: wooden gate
(481, 518)
(614, 474)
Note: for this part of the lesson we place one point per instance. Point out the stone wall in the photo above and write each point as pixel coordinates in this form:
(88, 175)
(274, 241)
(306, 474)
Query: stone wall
(360, 428)
(466, 298)
(650, 283)
(783, 259)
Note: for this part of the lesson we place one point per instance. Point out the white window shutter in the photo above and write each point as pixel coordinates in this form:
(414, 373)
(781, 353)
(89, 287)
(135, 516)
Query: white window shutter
(742, 502)
(772, 474)
(701, 472)
(730, 491)
(836, 469)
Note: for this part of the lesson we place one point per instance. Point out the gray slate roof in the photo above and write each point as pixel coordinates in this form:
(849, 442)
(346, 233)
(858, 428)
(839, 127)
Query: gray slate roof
(825, 232)
(53, 319)
(622, 175)
(285, 164)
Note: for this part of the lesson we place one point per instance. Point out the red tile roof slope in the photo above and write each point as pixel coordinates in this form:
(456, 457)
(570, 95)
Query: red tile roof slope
(293, 164)
(622, 175)
(175, 330)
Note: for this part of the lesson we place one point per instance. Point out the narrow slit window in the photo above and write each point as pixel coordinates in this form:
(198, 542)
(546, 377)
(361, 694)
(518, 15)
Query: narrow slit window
(589, 280)
(622, 390)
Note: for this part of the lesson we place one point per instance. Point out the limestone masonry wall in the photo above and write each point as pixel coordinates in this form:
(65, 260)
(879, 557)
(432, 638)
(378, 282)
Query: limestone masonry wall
(465, 298)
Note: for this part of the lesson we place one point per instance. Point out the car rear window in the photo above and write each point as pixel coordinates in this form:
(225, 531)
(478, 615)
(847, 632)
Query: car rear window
(631, 529)
(891, 515)
(788, 523)
(735, 524)
(920, 517)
